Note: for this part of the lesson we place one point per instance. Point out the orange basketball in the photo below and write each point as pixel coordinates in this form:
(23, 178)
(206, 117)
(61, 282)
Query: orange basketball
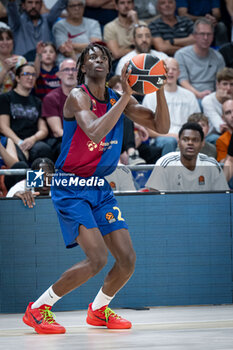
(147, 73)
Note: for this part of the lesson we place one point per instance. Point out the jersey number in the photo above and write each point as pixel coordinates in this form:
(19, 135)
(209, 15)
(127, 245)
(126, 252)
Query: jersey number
(119, 217)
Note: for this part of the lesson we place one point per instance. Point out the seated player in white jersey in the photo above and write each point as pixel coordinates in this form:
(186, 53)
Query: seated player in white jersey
(187, 170)
(90, 217)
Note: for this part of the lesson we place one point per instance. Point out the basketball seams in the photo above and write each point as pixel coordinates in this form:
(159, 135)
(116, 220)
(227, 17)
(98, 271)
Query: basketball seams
(147, 73)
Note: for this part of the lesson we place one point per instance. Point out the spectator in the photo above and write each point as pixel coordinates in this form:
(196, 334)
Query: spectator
(53, 103)
(118, 34)
(46, 69)
(188, 170)
(208, 148)
(223, 141)
(8, 61)
(47, 5)
(212, 104)
(75, 32)
(142, 42)
(228, 164)
(103, 11)
(9, 159)
(204, 61)
(8, 153)
(208, 9)
(20, 117)
(121, 180)
(226, 51)
(4, 25)
(3, 12)
(181, 103)
(227, 16)
(27, 195)
(170, 32)
(30, 27)
(146, 10)
(130, 152)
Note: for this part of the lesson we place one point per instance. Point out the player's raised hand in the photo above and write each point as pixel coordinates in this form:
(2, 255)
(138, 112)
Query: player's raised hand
(124, 79)
(166, 71)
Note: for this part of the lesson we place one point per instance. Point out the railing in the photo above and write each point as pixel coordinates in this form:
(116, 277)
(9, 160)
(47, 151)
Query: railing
(131, 167)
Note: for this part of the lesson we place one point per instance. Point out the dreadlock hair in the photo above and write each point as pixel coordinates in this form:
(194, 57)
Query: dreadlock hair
(92, 46)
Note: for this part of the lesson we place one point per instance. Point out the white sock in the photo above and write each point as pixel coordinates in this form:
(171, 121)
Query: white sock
(100, 300)
(48, 298)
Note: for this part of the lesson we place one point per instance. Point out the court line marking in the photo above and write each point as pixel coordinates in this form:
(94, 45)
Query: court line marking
(137, 326)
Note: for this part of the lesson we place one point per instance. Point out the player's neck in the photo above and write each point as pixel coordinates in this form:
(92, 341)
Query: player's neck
(97, 90)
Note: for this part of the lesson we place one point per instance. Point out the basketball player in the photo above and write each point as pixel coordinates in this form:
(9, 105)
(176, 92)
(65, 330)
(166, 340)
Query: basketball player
(89, 216)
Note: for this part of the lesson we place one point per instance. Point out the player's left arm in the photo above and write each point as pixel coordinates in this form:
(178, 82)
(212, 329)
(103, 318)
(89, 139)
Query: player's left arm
(158, 121)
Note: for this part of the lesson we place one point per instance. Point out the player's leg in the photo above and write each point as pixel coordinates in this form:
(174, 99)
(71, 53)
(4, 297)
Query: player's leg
(93, 245)
(38, 315)
(120, 245)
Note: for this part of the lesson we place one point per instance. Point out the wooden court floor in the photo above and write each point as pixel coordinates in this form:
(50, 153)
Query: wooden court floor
(165, 328)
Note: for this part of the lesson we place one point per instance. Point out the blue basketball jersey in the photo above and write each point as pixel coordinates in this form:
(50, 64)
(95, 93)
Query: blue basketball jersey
(83, 157)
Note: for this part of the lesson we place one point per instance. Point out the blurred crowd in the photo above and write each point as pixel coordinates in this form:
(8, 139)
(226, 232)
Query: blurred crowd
(41, 41)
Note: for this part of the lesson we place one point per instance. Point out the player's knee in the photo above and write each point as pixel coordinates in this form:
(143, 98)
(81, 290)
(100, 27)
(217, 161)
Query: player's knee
(127, 262)
(98, 262)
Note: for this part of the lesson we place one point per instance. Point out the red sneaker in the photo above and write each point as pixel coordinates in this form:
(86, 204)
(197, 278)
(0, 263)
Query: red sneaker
(106, 317)
(42, 320)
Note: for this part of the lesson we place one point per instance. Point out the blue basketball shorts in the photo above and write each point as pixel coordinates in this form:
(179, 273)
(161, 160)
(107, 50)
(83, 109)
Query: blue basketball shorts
(91, 206)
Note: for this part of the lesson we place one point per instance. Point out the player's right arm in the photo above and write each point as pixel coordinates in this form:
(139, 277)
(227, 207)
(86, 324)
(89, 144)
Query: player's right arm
(78, 104)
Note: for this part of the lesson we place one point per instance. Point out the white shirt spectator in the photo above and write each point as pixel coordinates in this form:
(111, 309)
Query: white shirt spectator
(181, 104)
(169, 174)
(212, 109)
(121, 180)
(18, 187)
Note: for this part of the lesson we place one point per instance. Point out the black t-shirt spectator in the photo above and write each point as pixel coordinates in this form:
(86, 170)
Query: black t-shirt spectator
(23, 111)
(182, 29)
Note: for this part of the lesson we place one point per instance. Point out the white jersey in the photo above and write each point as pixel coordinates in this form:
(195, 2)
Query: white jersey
(169, 174)
(18, 187)
(131, 54)
(121, 180)
(212, 109)
(181, 104)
